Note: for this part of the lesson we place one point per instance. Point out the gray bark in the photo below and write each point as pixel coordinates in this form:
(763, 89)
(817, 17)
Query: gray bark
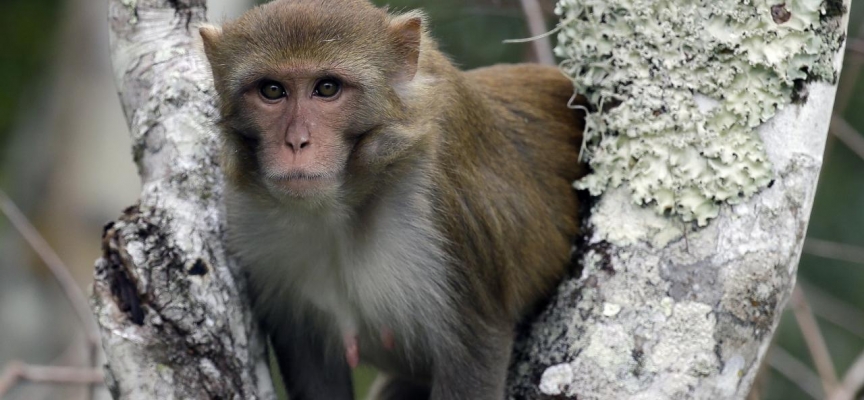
(175, 321)
(667, 309)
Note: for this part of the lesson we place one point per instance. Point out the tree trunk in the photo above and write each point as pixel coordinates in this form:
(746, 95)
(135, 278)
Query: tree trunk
(175, 320)
(684, 305)
(663, 308)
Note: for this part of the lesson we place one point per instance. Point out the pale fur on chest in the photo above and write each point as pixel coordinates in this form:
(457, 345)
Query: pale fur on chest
(384, 270)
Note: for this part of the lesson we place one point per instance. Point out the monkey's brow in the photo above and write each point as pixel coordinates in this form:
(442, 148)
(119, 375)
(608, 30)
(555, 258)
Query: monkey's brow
(250, 76)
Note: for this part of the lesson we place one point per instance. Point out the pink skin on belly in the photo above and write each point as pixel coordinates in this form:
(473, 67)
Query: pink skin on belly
(352, 349)
(387, 338)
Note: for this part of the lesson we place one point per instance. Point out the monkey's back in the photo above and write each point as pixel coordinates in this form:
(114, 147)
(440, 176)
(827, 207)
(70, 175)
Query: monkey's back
(525, 158)
(534, 99)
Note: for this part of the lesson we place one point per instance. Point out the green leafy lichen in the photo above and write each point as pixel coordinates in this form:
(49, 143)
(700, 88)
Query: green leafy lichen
(678, 87)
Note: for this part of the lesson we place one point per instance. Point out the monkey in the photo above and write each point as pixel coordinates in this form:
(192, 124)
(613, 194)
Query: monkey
(386, 207)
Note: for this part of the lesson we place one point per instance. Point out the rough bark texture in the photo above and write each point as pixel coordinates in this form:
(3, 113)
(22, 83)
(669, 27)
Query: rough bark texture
(668, 310)
(174, 320)
(661, 309)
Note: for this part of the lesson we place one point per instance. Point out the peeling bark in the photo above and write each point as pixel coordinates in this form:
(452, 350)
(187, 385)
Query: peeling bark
(174, 319)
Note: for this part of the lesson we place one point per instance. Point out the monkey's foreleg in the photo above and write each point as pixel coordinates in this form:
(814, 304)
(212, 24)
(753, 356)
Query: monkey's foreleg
(311, 369)
(388, 387)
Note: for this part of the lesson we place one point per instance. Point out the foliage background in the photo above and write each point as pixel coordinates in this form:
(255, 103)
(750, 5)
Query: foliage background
(65, 159)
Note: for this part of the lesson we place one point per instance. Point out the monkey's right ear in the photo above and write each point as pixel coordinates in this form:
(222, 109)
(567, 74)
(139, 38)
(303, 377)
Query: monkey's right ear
(210, 36)
(406, 31)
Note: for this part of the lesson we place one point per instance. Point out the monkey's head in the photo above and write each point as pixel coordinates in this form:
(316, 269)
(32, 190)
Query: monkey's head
(312, 94)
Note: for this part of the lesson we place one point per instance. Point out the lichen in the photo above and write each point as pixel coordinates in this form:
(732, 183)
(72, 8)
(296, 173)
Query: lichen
(677, 89)
(131, 6)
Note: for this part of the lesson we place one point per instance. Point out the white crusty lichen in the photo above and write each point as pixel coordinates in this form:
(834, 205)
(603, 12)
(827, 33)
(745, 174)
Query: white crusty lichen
(677, 89)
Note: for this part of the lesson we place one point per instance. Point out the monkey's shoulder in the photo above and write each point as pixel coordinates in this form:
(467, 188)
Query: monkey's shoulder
(531, 104)
(529, 98)
(531, 85)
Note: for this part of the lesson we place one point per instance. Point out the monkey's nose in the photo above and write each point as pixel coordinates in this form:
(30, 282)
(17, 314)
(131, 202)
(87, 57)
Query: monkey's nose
(297, 142)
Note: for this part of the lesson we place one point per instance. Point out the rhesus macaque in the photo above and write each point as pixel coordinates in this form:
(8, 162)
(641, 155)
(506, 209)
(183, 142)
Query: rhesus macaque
(387, 207)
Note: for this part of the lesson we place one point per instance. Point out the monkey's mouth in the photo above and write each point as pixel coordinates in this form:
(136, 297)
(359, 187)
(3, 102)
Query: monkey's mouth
(302, 183)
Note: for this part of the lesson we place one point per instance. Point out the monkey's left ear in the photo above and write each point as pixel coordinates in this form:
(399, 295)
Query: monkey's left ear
(210, 35)
(406, 31)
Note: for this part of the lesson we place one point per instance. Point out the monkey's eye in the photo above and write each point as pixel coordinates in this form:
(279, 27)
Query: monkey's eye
(327, 87)
(272, 90)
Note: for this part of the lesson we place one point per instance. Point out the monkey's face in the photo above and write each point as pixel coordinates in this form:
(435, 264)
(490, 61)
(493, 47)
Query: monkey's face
(308, 94)
(301, 123)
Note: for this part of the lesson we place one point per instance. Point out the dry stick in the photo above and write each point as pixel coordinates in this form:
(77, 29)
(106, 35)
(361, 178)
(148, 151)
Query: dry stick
(852, 382)
(61, 272)
(851, 72)
(11, 374)
(856, 46)
(834, 250)
(93, 358)
(9, 377)
(754, 394)
(537, 28)
(759, 382)
(834, 310)
(795, 371)
(815, 341)
(70, 288)
(17, 370)
(847, 134)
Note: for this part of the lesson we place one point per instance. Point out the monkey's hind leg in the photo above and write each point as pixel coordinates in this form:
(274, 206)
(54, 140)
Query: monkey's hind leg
(476, 369)
(386, 387)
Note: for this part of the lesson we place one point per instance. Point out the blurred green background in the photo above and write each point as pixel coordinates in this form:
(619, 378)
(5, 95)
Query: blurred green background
(65, 159)
(28, 29)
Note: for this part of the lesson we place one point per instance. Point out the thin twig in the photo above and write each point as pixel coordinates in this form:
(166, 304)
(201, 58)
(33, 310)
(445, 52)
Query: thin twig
(795, 371)
(537, 27)
(834, 310)
(70, 288)
(855, 46)
(16, 371)
(851, 71)
(852, 382)
(92, 360)
(758, 385)
(847, 134)
(815, 342)
(851, 74)
(754, 394)
(9, 377)
(834, 250)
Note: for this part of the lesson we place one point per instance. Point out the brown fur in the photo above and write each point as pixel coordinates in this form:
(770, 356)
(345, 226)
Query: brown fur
(508, 204)
(496, 151)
